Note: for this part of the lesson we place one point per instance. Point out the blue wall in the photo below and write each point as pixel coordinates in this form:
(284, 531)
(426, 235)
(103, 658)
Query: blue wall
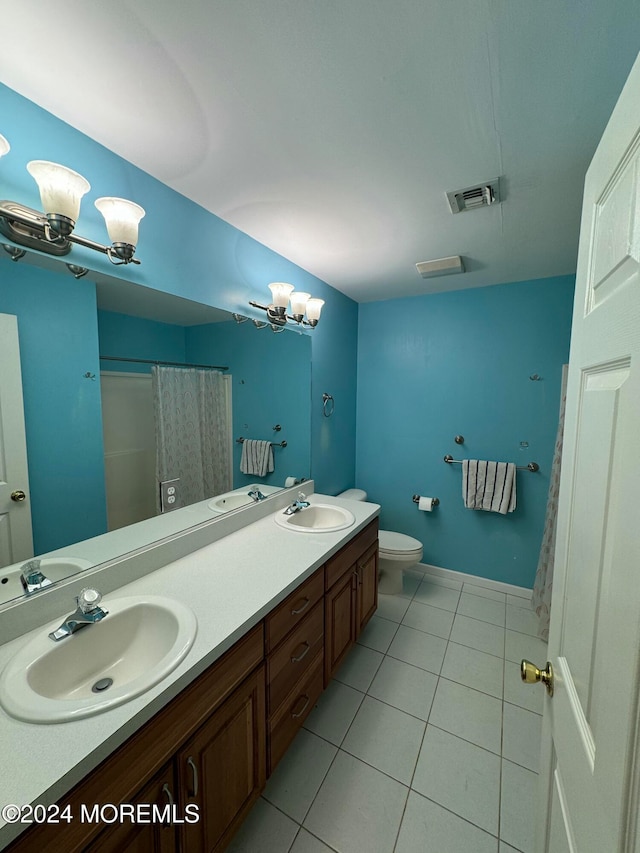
(188, 251)
(433, 367)
(271, 380)
(135, 337)
(58, 336)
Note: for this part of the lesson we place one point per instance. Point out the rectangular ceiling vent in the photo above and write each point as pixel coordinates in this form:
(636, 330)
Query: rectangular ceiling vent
(473, 198)
(441, 266)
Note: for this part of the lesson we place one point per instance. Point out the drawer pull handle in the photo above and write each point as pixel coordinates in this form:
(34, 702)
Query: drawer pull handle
(307, 602)
(307, 699)
(304, 653)
(167, 792)
(191, 763)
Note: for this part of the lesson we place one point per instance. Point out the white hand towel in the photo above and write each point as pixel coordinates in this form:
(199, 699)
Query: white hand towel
(257, 457)
(490, 486)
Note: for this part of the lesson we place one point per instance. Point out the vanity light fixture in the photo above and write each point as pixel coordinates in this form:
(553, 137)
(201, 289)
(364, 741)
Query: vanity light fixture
(61, 191)
(301, 303)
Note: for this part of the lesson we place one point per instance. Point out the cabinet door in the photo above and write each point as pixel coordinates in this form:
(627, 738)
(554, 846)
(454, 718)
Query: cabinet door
(367, 586)
(222, 769)
(152, 837)
(339, 622)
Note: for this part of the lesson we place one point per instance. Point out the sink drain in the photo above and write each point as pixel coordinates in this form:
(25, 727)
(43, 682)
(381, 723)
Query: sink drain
(102, 685)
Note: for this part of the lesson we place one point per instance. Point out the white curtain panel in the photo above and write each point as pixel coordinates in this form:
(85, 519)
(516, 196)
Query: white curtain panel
(543, 585)
(193, 431)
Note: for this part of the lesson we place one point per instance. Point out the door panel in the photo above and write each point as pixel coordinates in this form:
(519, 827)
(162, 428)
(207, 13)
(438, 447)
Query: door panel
(16, 539)
(590, 769)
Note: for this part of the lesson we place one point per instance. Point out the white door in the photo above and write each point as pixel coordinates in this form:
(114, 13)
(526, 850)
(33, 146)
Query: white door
(590, 772)
(16, 540)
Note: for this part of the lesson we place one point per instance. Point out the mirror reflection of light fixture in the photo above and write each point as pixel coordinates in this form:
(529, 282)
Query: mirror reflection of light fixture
(76, 270)
(14, 251)
(301, 303)
(61, 191)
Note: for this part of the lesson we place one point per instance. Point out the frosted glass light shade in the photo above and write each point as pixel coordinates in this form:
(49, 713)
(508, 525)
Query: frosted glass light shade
(314, 307)
(280, 291)
(122, 218)
(299, 301)
(4, 145)
(61, 189)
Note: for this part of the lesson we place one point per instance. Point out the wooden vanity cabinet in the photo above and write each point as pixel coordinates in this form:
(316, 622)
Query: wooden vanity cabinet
(212, 745)
(295, 656)
(143, 837)
(222, 768)
(367, 576)
(219, 721)
(351, 598)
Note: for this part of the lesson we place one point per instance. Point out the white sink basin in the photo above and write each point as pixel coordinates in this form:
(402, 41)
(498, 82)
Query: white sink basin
(139, 642)
(239, 497)
(228, 502)
(54, 568)
(317, 518)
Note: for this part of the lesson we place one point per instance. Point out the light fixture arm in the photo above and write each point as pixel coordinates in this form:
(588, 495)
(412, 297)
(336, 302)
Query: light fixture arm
(28, 227)
(279, 317)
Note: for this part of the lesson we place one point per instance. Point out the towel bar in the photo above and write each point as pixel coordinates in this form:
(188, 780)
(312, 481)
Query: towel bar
(531, 466)
(272, 443)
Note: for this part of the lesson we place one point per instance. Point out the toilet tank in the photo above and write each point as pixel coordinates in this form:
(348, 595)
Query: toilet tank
(353, 495)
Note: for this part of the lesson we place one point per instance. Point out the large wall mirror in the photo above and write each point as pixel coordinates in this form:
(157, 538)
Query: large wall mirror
(87, 349)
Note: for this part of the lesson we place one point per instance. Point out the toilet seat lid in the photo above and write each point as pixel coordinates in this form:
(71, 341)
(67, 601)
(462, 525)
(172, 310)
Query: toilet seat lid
(398, 543)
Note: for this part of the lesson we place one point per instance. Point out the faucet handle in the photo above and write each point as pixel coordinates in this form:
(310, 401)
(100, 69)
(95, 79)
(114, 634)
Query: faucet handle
(31, 571)
(89, 599)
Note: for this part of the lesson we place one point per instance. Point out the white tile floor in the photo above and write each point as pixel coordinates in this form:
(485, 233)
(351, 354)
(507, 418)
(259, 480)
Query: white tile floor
(425, 742)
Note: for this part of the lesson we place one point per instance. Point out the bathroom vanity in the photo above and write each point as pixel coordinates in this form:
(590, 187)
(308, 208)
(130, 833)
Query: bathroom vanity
(205, 745)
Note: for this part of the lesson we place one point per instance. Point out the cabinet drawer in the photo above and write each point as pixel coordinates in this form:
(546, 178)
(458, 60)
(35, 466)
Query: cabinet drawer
(293, 712)
(289, 662)
(345, 558)
(293, 609)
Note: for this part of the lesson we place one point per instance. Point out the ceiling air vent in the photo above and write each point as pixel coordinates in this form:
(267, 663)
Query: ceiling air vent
(441, 266)
(473, 198)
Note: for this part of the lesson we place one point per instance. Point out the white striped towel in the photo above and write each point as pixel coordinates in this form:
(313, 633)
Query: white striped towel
(257, 457)
(490, 486)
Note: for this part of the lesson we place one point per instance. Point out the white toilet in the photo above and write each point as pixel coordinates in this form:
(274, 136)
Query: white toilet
(396, 552)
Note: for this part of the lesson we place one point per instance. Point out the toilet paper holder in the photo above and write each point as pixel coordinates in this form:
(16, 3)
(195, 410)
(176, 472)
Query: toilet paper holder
(416, 499)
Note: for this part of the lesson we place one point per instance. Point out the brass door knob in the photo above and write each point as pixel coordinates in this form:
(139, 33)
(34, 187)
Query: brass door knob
(530, 674)
(18, 496)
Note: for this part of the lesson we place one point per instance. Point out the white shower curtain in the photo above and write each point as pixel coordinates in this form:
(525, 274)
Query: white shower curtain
(543, 585)
(193, 431)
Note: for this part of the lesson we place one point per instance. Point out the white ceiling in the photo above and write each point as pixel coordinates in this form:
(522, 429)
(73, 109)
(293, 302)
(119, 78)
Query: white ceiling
(330, 130)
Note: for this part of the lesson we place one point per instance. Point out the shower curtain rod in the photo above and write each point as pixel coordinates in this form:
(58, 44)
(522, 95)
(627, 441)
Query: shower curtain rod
(163, 363)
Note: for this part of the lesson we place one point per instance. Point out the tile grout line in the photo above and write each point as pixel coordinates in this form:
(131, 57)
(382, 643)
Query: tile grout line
(364, 694)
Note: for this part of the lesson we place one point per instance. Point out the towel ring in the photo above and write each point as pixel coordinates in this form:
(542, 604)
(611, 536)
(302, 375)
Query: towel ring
(327, 410)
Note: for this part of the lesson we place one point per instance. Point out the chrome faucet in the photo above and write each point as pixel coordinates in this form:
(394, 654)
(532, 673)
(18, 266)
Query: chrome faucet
(297, 505)
(88, 612)
(257, 495)
(32, 578)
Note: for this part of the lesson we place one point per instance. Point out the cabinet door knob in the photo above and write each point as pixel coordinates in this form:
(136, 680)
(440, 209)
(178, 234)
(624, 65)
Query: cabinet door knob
(194, 770)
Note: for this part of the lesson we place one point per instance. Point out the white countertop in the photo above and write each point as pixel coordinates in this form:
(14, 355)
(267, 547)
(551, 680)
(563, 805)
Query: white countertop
(230, 585)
